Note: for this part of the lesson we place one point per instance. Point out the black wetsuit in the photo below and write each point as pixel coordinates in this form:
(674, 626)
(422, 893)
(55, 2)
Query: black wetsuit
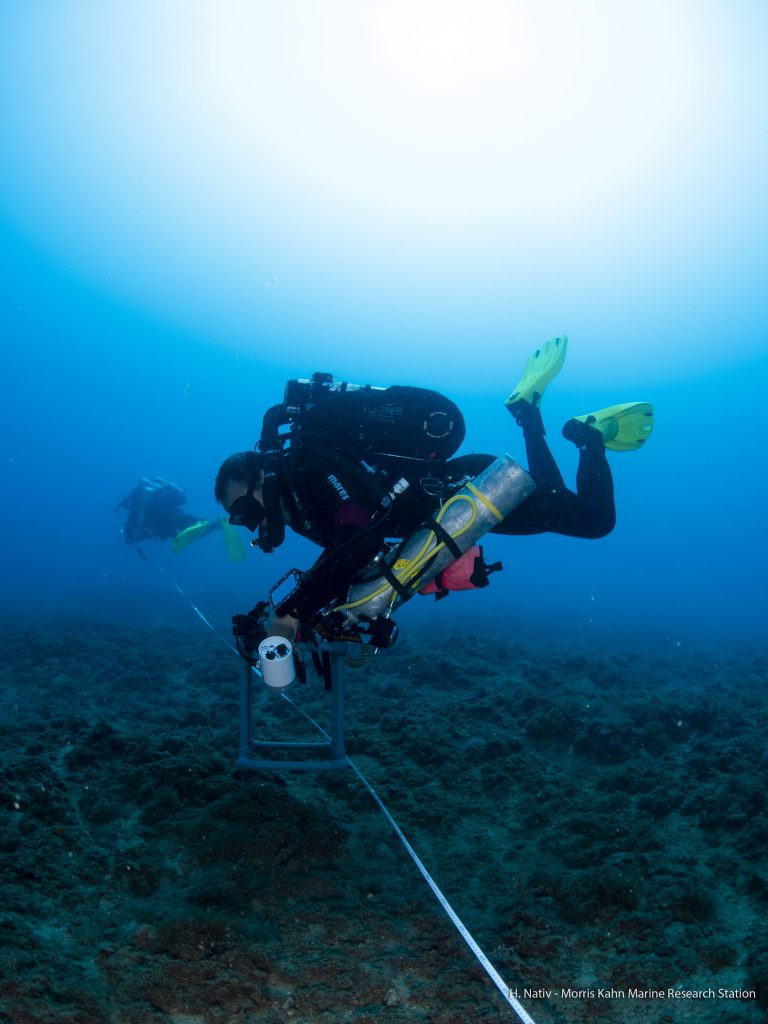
(335, 500)
(590, 512)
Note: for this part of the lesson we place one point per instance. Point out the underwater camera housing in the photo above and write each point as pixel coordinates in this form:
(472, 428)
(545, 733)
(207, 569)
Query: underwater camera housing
(249, 630)
(274, 656)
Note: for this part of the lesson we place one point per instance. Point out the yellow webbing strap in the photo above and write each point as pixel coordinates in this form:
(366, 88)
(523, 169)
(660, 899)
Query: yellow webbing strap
(486, 501)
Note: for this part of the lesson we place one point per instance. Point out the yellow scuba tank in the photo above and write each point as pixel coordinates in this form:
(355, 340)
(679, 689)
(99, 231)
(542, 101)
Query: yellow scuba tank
(470, 513)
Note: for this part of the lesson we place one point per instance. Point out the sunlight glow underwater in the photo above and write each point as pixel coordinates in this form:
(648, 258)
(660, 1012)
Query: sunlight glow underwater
(325, 171)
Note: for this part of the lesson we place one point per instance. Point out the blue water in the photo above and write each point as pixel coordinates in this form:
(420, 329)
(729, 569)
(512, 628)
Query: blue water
(194, 209)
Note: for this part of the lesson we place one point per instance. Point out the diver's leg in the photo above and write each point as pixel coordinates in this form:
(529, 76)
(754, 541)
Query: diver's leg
(541, 462)
(594, 480)
(552, 508)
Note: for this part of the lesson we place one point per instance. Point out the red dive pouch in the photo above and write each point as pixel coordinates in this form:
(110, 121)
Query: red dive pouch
(469, 572)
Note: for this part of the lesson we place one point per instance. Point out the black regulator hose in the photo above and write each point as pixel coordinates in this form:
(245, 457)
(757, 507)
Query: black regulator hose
(272, 529)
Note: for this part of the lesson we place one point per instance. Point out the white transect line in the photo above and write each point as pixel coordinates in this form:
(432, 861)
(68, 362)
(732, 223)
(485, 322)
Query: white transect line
(197, 611)
(461, 928)
(490, 970)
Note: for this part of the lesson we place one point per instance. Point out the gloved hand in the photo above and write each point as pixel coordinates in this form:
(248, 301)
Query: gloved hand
(283, 625)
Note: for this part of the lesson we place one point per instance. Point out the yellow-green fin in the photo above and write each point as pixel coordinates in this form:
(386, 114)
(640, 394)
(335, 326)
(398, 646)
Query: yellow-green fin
(232, 542)
(193, 533)
(542, 368)
(625, 427)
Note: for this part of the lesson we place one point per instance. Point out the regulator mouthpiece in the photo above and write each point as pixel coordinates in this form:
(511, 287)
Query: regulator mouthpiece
(276, 662)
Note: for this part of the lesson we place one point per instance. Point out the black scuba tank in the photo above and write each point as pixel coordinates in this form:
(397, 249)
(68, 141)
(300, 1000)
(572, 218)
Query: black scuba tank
(399, 420)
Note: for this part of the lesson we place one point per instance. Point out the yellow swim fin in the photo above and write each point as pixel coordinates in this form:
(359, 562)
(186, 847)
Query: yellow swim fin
(542, 368)
(625, 428)
(193, 533)
(232, 542)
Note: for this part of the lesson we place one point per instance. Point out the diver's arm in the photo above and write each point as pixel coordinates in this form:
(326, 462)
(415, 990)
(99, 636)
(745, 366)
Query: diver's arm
(330, 577)
(283, 625)
(344, 499)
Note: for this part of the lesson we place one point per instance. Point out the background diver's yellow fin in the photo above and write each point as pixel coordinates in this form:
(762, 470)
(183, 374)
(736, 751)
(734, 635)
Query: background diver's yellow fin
(233, 544)
(193, 533)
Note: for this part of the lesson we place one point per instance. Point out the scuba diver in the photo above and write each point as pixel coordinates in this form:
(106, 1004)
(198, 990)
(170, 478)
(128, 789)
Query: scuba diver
(155, 513)
(359, 465)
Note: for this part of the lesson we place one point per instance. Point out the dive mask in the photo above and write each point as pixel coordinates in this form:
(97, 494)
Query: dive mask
(246, 510)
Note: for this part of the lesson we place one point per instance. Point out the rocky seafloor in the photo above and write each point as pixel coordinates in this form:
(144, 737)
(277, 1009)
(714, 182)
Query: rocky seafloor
(596, 814)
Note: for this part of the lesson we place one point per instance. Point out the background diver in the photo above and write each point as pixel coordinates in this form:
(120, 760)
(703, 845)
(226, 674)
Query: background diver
(154, 512)
(327, 492)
